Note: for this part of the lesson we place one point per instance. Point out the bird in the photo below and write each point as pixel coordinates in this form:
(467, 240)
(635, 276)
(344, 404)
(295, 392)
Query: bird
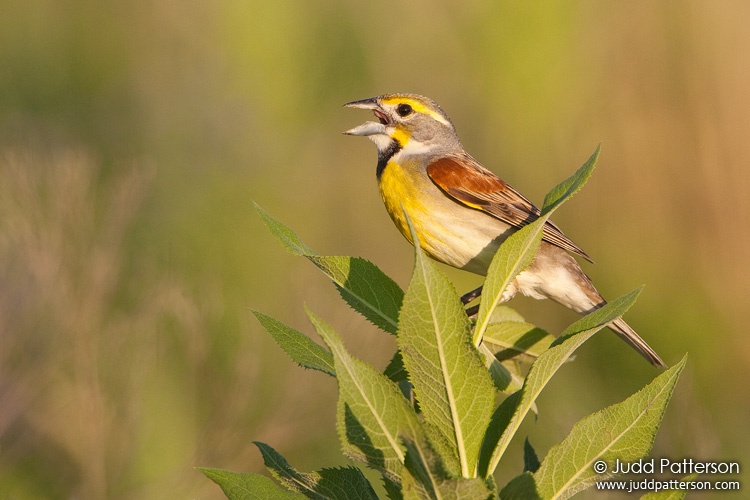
(461, 211)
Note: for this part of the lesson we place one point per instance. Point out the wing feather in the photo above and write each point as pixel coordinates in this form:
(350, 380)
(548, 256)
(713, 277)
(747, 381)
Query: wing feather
(467, 182)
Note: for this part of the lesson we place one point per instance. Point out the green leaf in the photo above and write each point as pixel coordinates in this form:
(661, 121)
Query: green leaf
(413, 489)
(392, 489)
(426, 478)
(521, 487)
(372, 413)
(530, 459)
(508, 339)
(547, 365)
(505, 313)
(507, 335)
(518, 375)
(363, 286)
(285, 235)
(518, 250)
(248, 485)
(447, 489)
(423, 471)
(501, 419)
(506, 375)
(599, 318)
(298, 346)
(454, 390)
(514, 255)
(346, 483)
(623, 431)
(503, 380)
(571, 185)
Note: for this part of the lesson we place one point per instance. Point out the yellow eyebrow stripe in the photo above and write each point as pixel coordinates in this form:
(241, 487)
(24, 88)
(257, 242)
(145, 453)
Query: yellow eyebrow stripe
(418, 107)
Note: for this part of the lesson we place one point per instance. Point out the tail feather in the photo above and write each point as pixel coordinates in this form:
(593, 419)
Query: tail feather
(626, 333)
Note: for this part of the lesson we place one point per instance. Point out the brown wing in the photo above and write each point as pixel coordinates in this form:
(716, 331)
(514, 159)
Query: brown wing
(465, 180)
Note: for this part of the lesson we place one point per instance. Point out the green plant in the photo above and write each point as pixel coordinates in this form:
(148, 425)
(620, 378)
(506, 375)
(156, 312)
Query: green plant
(429, 423)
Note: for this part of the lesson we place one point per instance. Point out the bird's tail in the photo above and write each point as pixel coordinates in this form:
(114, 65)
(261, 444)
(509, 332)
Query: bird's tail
(626, 333)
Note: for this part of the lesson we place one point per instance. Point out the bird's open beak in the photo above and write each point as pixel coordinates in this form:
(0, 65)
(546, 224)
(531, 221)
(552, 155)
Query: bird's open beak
(371, 103)
(368, 128)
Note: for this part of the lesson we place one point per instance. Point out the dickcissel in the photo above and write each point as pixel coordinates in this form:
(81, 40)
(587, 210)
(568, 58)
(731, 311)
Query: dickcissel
(461, 211)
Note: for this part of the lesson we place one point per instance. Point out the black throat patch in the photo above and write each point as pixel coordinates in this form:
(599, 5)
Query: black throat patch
(385, 156)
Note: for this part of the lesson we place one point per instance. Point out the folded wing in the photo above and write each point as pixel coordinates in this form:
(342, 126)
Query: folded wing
(467, 182)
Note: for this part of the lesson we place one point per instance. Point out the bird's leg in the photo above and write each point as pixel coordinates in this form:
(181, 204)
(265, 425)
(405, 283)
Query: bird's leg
(472, 311)
(468, 297)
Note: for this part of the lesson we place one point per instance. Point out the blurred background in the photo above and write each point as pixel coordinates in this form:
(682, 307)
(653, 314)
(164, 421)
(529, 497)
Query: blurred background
(135, 135)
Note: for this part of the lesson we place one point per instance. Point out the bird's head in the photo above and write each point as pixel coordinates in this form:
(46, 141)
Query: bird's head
(410, 121)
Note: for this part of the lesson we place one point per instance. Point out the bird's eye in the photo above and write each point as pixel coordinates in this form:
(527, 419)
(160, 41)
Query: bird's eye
(404, 110)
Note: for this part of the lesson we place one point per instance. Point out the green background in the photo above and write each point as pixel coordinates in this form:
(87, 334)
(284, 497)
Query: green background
(134, 136)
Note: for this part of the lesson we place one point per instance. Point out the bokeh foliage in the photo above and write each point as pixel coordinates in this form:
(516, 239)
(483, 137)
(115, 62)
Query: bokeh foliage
(135, 135)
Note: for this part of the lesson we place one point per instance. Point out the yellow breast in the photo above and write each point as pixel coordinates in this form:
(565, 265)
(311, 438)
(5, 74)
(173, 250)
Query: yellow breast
(448, 231)
(400, 192)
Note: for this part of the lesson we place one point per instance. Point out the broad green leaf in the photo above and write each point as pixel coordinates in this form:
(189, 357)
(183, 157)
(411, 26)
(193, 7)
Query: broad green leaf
(670, 494)
(461, 489)
(508, 339)
(372, 413)
(347, 483)
(518, 250)
(521, 487)
(422, 472)
(454, 390)
(547, 365)
(445, 448)
(501, 377)
(413, 489)
(426, 478)
(623, 431)
(248, 486)
(365, 288)
(505, 313)
(297, 345)
(362, 285)
(508, 334)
